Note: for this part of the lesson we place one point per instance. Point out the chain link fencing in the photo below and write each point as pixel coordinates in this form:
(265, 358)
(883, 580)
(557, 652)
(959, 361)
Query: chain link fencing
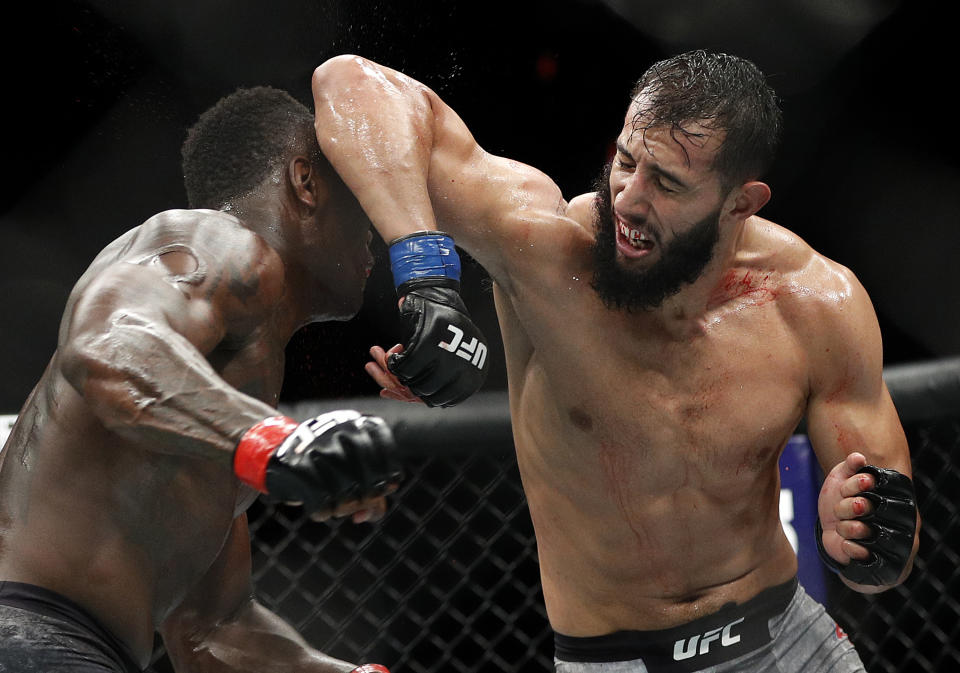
(915, 627)
(448, 581)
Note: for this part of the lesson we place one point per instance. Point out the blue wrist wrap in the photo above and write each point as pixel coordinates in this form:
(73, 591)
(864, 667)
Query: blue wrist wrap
(424, 255)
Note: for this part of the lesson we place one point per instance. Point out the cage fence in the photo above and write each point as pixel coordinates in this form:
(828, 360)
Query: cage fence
(448, 581)
(915, 627)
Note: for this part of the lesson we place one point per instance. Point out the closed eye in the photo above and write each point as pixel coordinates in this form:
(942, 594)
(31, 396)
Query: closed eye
(665, 186)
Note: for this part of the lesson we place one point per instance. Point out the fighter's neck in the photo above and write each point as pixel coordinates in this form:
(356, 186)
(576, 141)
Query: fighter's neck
(690, 308)
(271, 219)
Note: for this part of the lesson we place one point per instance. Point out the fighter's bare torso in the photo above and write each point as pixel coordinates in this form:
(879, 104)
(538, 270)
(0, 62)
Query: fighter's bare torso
(649, 450)
(122, 529)
(647, 441)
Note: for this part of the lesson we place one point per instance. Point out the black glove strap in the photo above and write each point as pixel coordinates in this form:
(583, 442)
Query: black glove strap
(431, 281)
(893, 522)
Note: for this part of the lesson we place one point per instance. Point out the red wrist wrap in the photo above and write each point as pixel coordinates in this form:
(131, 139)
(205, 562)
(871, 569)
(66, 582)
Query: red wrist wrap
(255, 448)
(370, 668)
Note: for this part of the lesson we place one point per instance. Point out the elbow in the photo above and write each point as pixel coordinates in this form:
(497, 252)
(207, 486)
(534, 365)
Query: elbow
(339, 73)
(349, 81)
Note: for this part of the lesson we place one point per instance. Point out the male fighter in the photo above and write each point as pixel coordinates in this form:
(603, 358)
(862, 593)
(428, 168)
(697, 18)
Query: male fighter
(124, 483)
(662, 343)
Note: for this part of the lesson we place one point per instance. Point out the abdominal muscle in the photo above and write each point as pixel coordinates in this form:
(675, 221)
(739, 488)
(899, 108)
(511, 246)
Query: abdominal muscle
(636, 535)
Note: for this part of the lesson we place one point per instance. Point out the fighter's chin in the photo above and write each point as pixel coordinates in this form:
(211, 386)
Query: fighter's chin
(346, 308)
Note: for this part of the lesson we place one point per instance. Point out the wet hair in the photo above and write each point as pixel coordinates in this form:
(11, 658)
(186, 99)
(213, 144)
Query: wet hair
(236, 144)
(722, 92)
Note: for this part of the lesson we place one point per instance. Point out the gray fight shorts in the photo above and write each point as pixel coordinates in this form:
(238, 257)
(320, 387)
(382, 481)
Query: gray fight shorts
(781, 630)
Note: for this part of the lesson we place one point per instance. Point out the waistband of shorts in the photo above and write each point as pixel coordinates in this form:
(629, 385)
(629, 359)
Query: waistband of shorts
(732, 631)
(50, 604)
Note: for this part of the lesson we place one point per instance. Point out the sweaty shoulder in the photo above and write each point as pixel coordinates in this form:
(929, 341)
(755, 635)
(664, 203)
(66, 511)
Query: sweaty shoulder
(821, 300)
(582, 210)
(205, 254)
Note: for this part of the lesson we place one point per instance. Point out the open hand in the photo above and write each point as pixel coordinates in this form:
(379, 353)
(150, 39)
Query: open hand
(392, 389)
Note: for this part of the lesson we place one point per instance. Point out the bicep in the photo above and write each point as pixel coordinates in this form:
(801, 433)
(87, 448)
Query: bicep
(850, 408)
(402, 150)
(494, 207)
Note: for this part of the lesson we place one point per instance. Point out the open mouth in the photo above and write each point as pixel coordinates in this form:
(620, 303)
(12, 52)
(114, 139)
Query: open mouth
(632, 240)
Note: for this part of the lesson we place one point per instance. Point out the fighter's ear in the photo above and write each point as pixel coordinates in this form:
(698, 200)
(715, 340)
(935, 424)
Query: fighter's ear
(747, 199)
(307, 186)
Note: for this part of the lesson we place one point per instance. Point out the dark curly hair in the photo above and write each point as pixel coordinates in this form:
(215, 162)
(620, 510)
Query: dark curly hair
(724, 93)
(238, 142)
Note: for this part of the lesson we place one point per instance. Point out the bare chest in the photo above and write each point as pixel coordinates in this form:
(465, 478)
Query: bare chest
(721, 402)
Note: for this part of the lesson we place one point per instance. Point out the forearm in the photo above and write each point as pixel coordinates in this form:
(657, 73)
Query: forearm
(150, 385)
(376, 127)
(253, 640)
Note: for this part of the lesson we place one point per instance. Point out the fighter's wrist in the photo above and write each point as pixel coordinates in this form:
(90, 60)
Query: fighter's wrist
(256, 447)
(370, 668)
(424, 258)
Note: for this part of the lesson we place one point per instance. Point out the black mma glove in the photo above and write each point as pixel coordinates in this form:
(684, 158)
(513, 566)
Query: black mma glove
(324, 462)
(444, 360)
(894, 523)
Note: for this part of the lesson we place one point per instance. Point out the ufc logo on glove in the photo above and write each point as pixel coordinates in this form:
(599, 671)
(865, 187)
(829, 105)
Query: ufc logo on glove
(435, 321)
(474, 352)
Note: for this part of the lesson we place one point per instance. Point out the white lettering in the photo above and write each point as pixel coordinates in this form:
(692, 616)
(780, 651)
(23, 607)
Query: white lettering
(708, 638)
(466, 349)
(684, 649)
(480, 356)
(457, 337)
(681, 651)
(727, 638)
(473, 351)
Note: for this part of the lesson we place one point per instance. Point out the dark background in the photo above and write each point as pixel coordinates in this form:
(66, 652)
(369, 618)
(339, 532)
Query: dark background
(99, 94)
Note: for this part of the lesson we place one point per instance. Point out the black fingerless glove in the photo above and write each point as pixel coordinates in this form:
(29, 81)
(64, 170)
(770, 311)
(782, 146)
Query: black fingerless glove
(444, 360)
(324, 462)
(893, 521)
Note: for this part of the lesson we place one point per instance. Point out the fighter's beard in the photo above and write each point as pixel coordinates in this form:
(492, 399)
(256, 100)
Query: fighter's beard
(681, 262)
